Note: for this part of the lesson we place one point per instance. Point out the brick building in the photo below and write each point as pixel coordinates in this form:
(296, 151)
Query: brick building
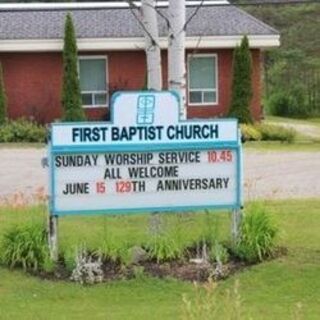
(111, 56)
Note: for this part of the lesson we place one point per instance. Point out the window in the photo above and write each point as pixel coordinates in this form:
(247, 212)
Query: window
(202, 79)
(93, 81)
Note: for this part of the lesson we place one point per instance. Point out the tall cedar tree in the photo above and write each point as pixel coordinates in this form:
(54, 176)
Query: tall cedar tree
(71, 93)
(3, 99)
(242, 83)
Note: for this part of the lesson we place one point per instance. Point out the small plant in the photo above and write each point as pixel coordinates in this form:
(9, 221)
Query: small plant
(22, 130)
(167, 239)
(116, 251)
(276, 133)
(26, 247)
(250, 132)
(257, 235)
(207, 305)
(138, 273)
(218, 253)
(163, 247)
(267, 132)
(88, 268)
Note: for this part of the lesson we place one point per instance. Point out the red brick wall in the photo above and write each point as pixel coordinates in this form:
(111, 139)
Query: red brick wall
(33, 83)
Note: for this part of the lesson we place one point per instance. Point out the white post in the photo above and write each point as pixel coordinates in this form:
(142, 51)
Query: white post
(53, 237)
(153, 53)
(176, 52)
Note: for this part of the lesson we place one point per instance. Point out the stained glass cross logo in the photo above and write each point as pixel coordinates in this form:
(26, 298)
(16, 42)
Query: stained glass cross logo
(145, 107)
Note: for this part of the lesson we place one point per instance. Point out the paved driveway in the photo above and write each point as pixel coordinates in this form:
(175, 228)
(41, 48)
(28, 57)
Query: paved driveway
(282, 175)
(267, 174)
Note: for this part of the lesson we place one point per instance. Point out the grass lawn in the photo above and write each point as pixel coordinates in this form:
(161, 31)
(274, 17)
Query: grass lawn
(22, 145)
(303, 142)
(309, 121)
(268, 291)
(297, 146)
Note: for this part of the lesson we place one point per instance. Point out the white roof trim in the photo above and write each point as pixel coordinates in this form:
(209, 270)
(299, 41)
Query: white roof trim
(95, 5)
(99, 44)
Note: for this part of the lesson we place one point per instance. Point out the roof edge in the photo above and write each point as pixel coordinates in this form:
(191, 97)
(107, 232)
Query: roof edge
(96, 5)
(258, 21)
(126, 44)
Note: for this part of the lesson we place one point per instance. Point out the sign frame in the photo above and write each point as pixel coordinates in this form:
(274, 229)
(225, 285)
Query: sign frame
(234, 145)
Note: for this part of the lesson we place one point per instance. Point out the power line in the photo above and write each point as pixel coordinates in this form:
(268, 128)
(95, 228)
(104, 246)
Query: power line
(22, 7)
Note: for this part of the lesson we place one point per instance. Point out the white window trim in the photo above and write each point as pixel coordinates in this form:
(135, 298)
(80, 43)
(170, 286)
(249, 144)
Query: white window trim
(94, 57)
(212, 55)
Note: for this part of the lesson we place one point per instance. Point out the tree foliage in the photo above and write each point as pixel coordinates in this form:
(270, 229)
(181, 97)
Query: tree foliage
(71, 93)
(242, 83)
(3, 99)
(292, 72)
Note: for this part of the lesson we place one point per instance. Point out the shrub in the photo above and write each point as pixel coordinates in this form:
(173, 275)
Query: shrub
(71, 94)
(26, 246)
(278, 104)
(22, 130)
(267, 132)
(276, 133)
(3, 99)
(163, 247)
(250, 132)
(88, 268)
(291, 103)
(298, 106)
(116, 250)
(241, 83)
(218, 253)
(257, 235)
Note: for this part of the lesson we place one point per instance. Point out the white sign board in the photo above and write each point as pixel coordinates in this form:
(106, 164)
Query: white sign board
(145, 180)
(144, 161)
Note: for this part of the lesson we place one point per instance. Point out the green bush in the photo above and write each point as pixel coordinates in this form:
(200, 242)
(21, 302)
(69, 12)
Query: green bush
(163, 247)
(116, 250)
(241, 83)
(25, 246)
(257, 235)
(289, 104)
(267, 132)
(22, 130)
(71, 93)
(250, 133)
(278, 104)
(219, 253)
(276, 133)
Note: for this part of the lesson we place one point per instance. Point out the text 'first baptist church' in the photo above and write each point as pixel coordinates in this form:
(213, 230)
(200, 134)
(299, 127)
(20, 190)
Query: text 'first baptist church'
(103, 133)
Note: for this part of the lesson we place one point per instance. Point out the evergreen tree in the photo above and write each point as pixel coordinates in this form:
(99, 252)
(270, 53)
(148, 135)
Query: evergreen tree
(242, 83)
(71, 93)
(3, 99)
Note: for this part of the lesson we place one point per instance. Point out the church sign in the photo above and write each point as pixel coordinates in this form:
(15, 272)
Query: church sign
(145, 159)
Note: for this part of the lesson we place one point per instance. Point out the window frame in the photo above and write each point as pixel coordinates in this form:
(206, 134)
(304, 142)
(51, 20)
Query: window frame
(106, 92)
(216, 89)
